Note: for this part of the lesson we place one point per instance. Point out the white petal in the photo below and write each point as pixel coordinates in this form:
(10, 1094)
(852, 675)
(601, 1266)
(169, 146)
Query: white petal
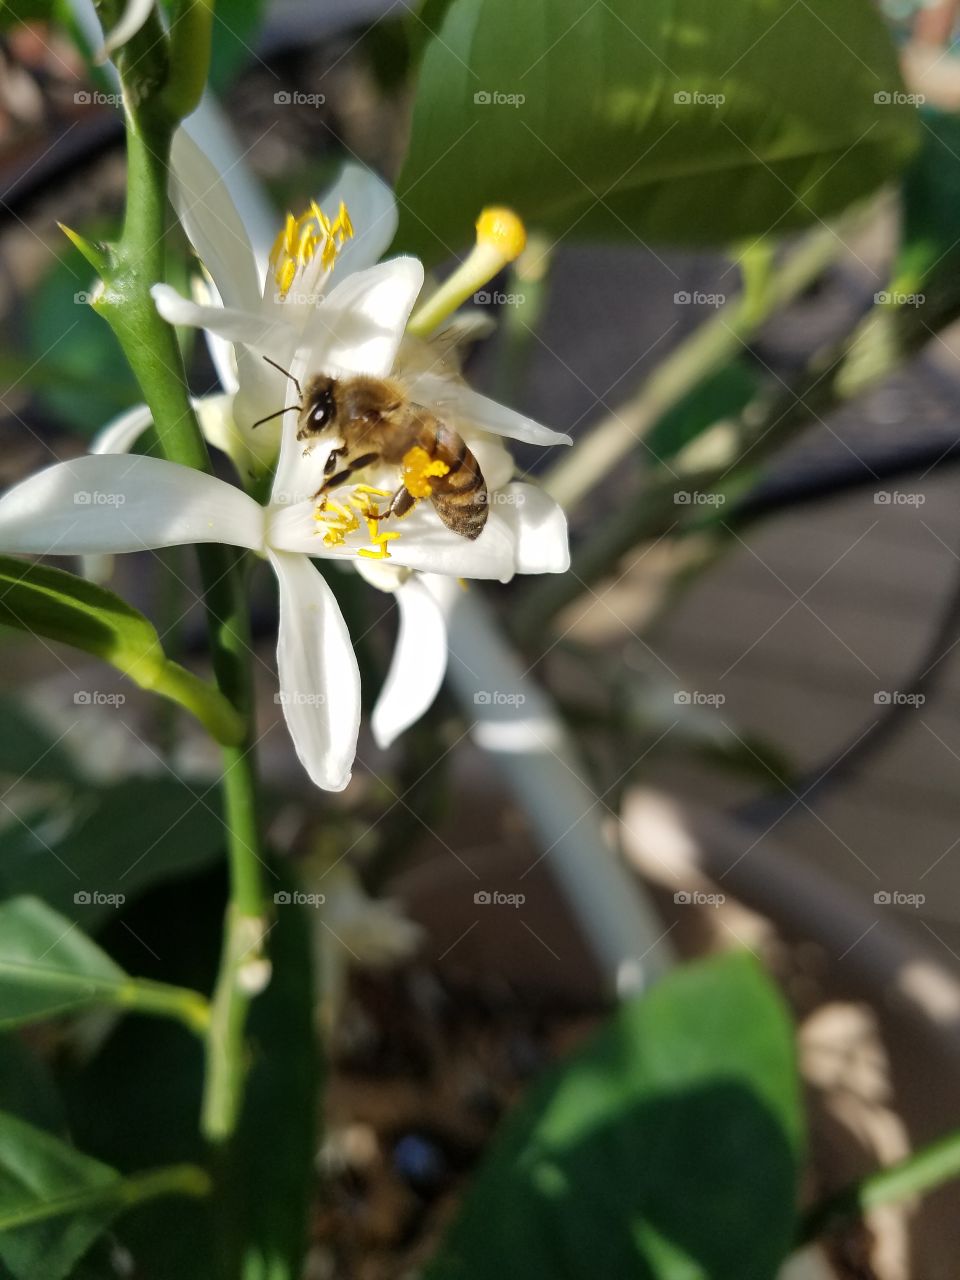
(213, 225)
(319, 676)
(131, 20)
(540, 527)
(424, 543)
(381, 574)
(112, 502)
(358, 326)
(120, 435)
(373, 212)
(206, 294)
(270, 337)
(418, 666)
(437, 392)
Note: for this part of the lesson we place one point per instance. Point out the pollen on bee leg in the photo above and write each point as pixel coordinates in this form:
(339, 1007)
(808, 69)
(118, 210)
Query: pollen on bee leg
(417, 470)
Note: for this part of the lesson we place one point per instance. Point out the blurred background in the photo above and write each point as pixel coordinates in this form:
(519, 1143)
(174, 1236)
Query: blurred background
(756, 654)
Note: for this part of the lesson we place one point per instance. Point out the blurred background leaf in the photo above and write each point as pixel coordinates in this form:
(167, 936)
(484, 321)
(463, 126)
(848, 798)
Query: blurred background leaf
(615, 143)
(668, 1147)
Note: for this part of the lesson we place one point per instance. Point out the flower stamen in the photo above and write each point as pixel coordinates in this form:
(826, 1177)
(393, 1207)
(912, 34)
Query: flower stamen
(338, 521)
(301, 239)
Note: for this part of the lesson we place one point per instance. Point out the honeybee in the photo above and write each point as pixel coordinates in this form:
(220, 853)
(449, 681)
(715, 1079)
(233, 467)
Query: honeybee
(377, 421)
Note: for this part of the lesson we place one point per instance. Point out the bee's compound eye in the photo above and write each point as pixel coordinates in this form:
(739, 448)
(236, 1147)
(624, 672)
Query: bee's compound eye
(321, 411)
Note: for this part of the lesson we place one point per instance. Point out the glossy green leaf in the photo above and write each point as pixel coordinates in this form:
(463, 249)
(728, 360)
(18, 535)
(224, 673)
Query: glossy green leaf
(123, 840)
(36, 1168)
(48, 966)
(668, 1148)
(61, 606)
(676, 121)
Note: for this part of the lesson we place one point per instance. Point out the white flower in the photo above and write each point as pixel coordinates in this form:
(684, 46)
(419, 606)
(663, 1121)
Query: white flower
(110, 503)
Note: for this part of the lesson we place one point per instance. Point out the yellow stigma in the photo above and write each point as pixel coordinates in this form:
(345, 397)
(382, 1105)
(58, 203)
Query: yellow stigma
(418, 469)
(502, 228)
(301, 239)
(501, 237)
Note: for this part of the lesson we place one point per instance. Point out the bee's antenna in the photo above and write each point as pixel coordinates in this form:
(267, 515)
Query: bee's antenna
(270, 416)
(287, 374)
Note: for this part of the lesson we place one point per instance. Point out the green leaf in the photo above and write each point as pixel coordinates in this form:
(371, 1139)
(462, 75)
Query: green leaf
(235, 27)
(36, 1168)
(63, 330)
(60, 606)
(604, 143)
(29, 751)
(48, 967)
(125, 838)
(668, 1148)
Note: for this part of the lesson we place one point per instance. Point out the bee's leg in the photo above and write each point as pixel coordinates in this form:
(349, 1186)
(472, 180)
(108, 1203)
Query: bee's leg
(401, 504)
(333, 478)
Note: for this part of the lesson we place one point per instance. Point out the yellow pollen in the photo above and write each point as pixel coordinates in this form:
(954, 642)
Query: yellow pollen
(301, 238)
(336, 521)
(418, 468)
(501, 228)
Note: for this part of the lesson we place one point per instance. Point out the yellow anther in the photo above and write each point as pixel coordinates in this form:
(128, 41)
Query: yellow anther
(501, 228)
(417, 470)
(301, 238)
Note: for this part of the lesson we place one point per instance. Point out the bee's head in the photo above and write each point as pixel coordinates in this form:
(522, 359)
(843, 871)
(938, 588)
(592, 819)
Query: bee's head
(318, 410)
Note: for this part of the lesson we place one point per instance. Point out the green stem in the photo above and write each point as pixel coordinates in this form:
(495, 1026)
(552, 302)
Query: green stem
(923, 1171)
(150, 345)
(124, 1193)
(157, 999)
